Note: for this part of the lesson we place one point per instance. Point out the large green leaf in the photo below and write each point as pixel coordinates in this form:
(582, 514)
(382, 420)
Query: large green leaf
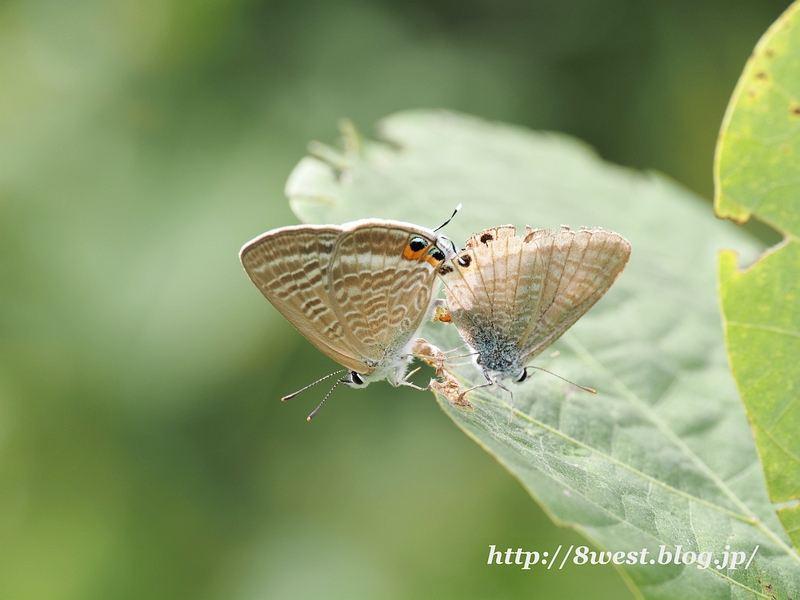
(663, 455)
(757, 167)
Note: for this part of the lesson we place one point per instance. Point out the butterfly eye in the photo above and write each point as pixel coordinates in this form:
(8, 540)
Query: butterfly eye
(417, 243)
(522, 376)
(464, 260)
(356, 378)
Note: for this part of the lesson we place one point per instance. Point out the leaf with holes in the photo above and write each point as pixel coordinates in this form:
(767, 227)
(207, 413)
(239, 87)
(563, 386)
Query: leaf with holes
(662, 458)
(757, 173)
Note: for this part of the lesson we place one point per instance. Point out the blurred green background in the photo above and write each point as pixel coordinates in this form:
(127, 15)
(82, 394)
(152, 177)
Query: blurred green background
(143, 449)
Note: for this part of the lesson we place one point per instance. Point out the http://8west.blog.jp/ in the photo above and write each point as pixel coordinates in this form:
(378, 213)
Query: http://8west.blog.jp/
(360, 292)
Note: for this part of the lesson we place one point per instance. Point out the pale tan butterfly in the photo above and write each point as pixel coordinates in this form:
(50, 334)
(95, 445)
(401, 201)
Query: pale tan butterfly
(511, 297)
(358, 292)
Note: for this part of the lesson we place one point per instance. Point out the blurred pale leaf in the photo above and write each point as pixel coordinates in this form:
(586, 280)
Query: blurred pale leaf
(757, 174)
(663, 454)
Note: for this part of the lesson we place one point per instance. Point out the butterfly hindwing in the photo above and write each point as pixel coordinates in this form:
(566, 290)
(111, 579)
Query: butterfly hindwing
(469, 297)
(378, 289)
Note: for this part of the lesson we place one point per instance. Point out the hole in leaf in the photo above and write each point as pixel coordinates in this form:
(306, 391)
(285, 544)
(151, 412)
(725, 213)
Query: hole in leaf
(762, 231)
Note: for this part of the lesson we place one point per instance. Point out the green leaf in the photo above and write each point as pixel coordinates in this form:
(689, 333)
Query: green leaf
(790, 518)
(757, 167)
(663, 454)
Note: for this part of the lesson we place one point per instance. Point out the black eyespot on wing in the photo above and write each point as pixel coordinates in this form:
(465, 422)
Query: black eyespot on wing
(417, 243)
(486, 237)
(436, 253)
(445, 269)
(464, 260)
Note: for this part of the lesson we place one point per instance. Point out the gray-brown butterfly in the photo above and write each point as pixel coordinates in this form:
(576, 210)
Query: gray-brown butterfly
(358, 291)
(511, 297)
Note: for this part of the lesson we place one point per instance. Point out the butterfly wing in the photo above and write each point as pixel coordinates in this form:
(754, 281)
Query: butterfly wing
(290, 266)
(516, 296)
(382, 287)
(580, 267)
(480, 285)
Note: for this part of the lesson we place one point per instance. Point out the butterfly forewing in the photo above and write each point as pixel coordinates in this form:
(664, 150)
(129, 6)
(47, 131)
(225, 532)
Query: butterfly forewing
(290, 266)
(582, 266)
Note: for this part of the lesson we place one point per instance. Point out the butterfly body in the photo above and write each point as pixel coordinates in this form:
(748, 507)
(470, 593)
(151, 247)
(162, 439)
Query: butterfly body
(358, 291)
(511, 297)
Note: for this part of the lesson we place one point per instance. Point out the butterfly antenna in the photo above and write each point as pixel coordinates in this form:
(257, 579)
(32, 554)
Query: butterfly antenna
(293, 394)
(458, 208)
(316, 410)
(588, 389)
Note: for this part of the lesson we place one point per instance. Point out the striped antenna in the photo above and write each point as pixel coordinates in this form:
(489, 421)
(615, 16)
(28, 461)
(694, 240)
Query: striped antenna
(293, 394)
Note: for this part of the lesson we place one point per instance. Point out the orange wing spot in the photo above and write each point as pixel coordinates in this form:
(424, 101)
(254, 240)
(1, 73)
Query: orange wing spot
(433, 261)
(410, 254)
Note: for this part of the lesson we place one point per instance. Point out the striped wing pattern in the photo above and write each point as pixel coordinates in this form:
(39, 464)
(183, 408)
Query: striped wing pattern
(517, 295)
(379, 294)
(349, 290)
(290, 268)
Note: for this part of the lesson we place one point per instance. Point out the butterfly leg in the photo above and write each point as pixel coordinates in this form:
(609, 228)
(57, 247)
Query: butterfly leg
(404, 381)
(489, 381)
(510, 393)
(415, 386)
